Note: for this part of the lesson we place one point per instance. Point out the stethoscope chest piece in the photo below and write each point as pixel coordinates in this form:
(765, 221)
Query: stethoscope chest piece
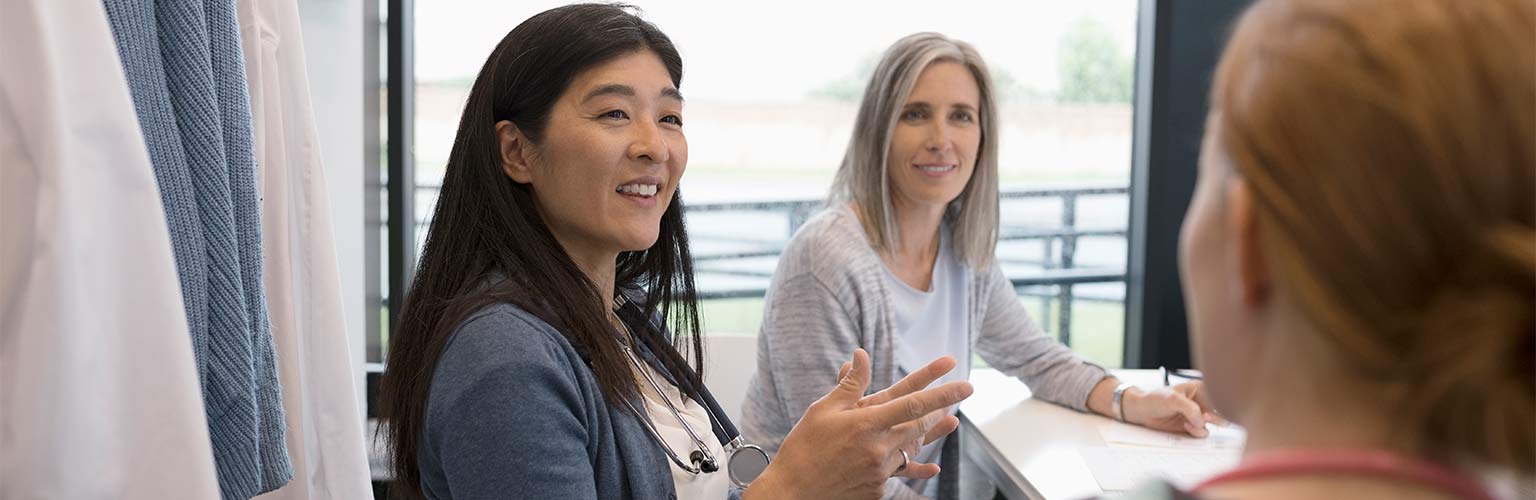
(745, 463)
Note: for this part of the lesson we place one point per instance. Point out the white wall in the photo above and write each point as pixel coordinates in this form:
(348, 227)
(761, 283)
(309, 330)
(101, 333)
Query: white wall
(333, 49)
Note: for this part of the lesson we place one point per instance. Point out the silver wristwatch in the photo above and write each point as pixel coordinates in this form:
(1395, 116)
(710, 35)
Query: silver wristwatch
(1115, 406)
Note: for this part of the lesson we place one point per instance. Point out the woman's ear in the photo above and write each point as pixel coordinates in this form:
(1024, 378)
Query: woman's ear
(1252, 270)
(515, 151)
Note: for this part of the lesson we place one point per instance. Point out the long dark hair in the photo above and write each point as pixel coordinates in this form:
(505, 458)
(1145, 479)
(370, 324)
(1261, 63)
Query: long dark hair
(488, 244)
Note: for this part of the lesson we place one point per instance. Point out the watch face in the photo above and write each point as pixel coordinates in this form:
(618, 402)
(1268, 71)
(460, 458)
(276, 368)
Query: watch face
(746, 463)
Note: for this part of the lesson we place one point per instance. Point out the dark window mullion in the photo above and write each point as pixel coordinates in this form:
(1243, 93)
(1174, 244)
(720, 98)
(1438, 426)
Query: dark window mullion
(402, 168)
(1178, 44)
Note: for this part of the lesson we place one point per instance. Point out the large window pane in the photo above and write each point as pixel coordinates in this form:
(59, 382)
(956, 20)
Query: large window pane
(772, 90)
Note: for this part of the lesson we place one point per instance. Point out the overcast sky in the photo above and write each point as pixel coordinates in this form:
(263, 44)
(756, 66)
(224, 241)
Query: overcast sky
(784, 50)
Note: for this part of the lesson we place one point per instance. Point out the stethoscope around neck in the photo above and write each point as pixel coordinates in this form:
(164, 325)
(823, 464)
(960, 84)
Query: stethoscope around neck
(744, 462)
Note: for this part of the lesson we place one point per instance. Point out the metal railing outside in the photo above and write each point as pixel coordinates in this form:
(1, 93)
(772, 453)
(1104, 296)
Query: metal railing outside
(1056, 279)
(1054, 272)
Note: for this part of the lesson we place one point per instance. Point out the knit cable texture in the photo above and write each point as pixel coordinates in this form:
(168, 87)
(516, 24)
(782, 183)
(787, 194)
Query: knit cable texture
(186, 74)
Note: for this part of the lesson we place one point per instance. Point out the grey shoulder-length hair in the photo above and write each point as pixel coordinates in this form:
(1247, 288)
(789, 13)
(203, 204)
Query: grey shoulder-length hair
(863, 178)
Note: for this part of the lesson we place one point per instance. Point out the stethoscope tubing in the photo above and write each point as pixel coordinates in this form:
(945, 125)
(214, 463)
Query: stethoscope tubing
(720, 423)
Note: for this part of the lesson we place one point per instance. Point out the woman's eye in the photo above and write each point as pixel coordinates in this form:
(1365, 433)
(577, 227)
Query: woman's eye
(913, 114)
(617, 114)
(673, 119)
(964, 116)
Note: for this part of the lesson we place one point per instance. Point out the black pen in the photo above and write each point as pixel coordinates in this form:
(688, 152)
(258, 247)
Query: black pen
(1181, 373)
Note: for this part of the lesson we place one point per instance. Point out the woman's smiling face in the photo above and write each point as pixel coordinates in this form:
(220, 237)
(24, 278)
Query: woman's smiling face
(611, 157)
(935, 142)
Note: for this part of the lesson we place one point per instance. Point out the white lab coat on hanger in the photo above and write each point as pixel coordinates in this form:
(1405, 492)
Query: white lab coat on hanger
(303, 281)
(99, 397)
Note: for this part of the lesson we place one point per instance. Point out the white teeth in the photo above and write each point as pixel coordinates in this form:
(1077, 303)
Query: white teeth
(638, 189)
(936, 168)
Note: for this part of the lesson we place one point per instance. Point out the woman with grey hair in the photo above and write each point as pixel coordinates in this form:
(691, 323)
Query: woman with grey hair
(902, 265)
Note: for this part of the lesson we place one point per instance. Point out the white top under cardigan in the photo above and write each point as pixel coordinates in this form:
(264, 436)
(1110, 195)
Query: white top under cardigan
(929, 324)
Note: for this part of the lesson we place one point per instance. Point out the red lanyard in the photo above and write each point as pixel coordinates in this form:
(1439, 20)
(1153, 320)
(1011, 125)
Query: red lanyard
(1380, 464)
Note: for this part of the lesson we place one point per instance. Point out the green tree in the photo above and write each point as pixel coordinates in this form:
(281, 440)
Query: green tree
(1090, 66)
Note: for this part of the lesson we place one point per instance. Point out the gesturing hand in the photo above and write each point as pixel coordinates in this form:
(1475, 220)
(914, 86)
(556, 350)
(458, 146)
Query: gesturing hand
(847, 444)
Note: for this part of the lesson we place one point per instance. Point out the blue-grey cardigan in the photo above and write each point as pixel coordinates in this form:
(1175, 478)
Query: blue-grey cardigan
(514, 412)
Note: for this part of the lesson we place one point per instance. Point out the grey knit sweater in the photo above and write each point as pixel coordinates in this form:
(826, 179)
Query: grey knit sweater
(829, 296)
(186, 74)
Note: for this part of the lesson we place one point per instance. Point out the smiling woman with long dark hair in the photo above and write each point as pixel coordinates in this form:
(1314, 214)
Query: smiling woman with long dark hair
(531, 359)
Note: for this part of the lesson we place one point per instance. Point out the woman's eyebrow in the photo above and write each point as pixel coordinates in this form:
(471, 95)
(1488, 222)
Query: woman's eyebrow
(622, 90)
(617, 89)
(964, 105)
(673, 93)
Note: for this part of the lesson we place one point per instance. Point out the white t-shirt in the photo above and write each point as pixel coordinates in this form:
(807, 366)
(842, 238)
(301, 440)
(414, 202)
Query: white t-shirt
(932, 323)
(701, 486)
